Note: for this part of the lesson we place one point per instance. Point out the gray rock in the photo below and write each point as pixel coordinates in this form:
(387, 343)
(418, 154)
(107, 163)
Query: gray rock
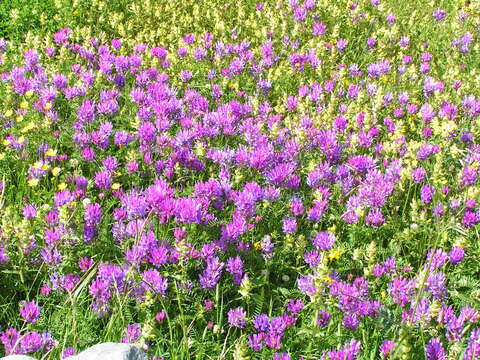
(111, 351)
(17, 357)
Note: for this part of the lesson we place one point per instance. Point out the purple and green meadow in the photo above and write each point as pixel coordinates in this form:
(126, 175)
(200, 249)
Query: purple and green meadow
(278, 180)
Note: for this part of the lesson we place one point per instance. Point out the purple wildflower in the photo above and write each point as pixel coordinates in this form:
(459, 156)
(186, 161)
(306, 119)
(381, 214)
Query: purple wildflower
(456, 255)
(295, 306)
(261, 322)
(289, 225)
(306, 285)
(439, 14)
(473, 348)
(349, 351)
(387, 348)
(29, 212)
(30, 311)
(132, 333)
(426, 193)
(69, 351)
(235, 268)
(324, 240)
(256, 341)
(154, 281)
(323, 318)
(351, 321)
(93, 214)
(237, 317)
(210, 277)
(436, 258)
(434, 350)
(281, 356)
(161, 316)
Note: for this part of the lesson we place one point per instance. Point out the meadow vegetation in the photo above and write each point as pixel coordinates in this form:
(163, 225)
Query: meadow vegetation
(240, 179)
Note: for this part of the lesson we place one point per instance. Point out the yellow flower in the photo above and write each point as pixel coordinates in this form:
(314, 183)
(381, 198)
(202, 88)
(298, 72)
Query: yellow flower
(51, 152)
(8, 113)
(116, 186)
(48, 106)
(448, 127)
(33, 182)
(24, 104)
(360, 212)
(332, 228)
(21, 139)
(73, 204)
(135, 123)
(19, 118)
(245, 286)
(29, 93)
(2, 156)
(327, 279)
(30, 126)
(334, 254)
(6, 142)
(56, 170)
(62, 186)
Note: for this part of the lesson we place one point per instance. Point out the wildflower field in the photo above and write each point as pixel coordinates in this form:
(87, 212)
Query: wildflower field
(219, 179)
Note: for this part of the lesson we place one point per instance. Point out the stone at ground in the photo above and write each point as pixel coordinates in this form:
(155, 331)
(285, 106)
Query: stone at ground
(17, 357)
(111, 351)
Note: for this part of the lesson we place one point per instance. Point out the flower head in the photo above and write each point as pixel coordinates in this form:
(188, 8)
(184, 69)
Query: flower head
(30, 311)
(237, 317)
